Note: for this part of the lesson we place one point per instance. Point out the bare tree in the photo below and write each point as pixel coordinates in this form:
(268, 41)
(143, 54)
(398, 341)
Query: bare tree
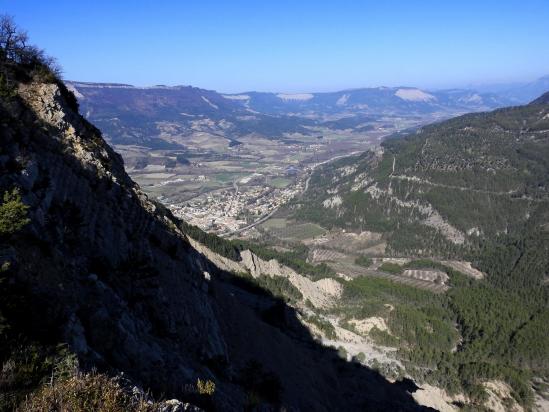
(13, 42)
(14, 47)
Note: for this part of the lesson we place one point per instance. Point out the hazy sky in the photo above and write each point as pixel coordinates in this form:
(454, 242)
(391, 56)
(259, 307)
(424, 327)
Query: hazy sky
(291, 46)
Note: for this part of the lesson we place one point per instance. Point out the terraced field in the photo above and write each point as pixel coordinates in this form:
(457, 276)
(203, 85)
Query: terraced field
(352, 270)
(348, 242)
(464, 267)
(326, 255)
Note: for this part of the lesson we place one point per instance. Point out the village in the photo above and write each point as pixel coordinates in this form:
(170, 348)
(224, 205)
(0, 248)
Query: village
(231, 209)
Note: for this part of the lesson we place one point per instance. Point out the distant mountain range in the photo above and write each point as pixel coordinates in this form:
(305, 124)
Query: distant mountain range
(142, 115)
(379, 100)
(519, 93)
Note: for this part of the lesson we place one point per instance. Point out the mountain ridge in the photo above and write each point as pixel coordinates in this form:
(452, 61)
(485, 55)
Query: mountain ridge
(543, 99)
(163, 117)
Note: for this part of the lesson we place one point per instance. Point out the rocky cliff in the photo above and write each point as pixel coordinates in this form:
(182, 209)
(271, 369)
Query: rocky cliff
(105, 271)
(119, 282)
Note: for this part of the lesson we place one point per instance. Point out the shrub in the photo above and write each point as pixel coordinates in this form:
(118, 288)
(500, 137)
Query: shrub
(16, 53)
(361, 357)
(391, 268)
(363, 261)
(83, 393)
(384, 338)
(27, 366)
(323, 325)
(7, 90)
(206, 387)
(13, 213)
(280, 287)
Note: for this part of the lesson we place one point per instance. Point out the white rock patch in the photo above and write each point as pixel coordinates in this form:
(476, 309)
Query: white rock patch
(330, 286)
(296, 97)
(210, 103)
(436, 398)
(332, 202)
(346, 170)
(497, 391)
(343, 100)
(364, 326)
(474, 98)
(236, 96)
(414, 95)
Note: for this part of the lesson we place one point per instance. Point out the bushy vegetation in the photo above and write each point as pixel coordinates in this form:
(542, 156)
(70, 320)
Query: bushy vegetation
(492, 165)
(384, 338)
(20, 61)
(269, 286)
(84, 393)
(28, 365)
(13, 213)
(280, 287)
(215, 243)
(205, 387)
(364, 261)
(389, 267)
(342, 352)
(324, 326)
(24, 364)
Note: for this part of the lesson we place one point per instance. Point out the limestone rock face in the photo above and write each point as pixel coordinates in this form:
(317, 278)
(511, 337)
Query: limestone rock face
(123, 285)
(258, 267)
(320, 293)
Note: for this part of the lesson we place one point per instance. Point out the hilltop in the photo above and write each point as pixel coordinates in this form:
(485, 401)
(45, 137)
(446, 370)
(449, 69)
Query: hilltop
(543, 99)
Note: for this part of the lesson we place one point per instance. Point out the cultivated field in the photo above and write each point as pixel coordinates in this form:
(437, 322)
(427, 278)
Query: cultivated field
(287, 230)
(352, 270)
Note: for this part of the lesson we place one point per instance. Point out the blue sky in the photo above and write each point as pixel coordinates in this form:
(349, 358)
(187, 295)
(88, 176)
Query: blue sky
(291, 46)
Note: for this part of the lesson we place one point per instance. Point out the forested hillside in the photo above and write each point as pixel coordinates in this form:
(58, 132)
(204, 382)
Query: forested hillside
(473, 188)
(446, 189)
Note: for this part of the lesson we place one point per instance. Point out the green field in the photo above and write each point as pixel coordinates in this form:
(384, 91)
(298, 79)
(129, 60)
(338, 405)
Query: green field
(294, 231)
(279, 182)
(228, 177)
(274, 223)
